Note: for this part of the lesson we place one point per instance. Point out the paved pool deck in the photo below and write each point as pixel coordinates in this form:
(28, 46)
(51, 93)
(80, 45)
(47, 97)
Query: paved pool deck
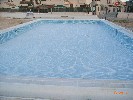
(64, 89)
(54, 15)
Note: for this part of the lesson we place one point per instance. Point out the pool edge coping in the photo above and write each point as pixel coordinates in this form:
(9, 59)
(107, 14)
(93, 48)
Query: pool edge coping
(74, 82)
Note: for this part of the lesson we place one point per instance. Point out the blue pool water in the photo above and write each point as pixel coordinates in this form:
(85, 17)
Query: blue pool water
(87, 49)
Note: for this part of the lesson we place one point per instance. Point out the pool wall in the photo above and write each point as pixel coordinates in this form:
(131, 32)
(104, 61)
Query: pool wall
(122, 35)
(12, 32)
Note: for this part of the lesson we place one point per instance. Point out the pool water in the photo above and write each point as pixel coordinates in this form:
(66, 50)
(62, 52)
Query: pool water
(86, 49)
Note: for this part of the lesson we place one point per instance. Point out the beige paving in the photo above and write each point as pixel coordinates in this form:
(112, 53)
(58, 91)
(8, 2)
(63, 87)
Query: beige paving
(9, 22)
(54, 15)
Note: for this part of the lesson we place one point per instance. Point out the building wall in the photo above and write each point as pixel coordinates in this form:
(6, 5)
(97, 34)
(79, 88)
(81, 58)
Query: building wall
(51, 2)
(6, 4)
(107, 6)
(88, 1)
(76, 3)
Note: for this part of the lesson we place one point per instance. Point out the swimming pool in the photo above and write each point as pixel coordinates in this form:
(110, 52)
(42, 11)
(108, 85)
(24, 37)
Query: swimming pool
(85, 49)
